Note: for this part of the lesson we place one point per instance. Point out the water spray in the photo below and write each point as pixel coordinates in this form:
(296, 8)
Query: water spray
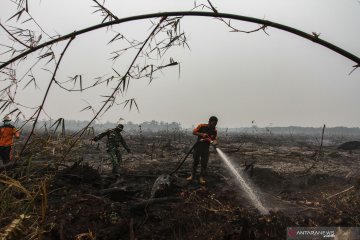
(240, 179)
(242, 182)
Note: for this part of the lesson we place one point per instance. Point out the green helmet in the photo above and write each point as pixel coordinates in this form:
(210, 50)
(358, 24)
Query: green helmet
(120, 127)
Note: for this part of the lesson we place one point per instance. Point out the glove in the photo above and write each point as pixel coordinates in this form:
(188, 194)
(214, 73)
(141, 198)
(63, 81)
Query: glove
(204, 135)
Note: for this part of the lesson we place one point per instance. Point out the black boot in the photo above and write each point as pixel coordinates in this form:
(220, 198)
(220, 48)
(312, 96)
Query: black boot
(115, 170)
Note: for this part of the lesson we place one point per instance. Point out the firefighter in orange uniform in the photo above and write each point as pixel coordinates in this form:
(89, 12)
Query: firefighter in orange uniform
(207, 134)
(7, 133)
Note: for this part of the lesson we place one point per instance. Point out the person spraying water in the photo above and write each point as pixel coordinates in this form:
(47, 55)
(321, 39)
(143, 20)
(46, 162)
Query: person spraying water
(207, 134)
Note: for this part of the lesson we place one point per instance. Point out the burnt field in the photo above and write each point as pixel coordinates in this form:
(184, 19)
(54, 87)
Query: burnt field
(49, 196)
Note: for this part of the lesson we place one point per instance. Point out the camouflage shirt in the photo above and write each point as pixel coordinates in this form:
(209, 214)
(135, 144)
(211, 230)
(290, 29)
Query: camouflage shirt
(114, 138)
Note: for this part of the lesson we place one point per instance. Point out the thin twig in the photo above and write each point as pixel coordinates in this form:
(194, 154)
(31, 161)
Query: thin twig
(15, 38)
(36, 23)
(319, 152)
(233, 29)
(355, 67)
(45, 97)
(106, 10)
(344, 191)
(122, 82)
(212, 7)
(131, 226)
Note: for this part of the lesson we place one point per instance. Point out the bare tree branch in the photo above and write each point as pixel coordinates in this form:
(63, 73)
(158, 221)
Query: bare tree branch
(233, 29)
(108, 13)
(117, 88)
(318, 154)
(26, 9)
(45, 96)
(355, 67)
(212, 7)
(191, 13)
(15, 38)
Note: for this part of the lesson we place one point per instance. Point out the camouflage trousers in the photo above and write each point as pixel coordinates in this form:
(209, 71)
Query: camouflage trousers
(115, 156)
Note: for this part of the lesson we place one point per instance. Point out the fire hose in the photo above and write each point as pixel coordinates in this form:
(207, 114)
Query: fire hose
(182, 162)
(189, 152)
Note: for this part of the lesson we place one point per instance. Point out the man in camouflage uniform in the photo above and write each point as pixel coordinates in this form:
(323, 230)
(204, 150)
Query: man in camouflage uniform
(114, 139)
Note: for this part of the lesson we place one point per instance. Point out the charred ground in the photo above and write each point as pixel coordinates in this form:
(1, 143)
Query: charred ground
(51, 197)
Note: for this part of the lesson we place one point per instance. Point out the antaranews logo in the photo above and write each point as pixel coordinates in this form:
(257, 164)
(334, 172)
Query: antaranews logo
(291, 233)
(328, 233)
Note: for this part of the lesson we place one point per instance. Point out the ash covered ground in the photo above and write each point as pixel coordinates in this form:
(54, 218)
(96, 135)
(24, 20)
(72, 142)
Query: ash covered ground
(46, 195)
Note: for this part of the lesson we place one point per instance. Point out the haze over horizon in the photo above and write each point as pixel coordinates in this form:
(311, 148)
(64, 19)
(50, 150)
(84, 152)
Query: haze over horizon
(275, 80)
(164, 123)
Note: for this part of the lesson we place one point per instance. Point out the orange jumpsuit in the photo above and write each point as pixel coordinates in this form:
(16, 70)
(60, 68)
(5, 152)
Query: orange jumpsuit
(7, 133)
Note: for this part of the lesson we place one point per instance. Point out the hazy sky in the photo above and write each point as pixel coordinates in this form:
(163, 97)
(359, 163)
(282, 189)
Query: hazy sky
(280, 79)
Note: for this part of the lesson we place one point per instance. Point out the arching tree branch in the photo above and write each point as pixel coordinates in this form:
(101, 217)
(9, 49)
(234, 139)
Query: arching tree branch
(302, 34)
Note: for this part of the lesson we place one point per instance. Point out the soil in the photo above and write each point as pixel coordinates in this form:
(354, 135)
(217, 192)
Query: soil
(295, 181)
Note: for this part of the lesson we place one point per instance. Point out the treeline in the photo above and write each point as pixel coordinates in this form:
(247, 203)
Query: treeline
(295, 130)
(75, 125)
(156, 126)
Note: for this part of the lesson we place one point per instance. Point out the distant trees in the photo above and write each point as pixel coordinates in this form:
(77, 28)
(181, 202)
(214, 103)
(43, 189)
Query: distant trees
(76, 125)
